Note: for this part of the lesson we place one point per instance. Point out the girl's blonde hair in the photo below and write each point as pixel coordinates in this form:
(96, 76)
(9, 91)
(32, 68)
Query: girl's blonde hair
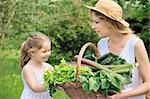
(114, 24)
(34, 42)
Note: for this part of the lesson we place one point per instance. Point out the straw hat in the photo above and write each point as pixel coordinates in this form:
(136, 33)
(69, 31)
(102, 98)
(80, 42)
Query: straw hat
(110, 9)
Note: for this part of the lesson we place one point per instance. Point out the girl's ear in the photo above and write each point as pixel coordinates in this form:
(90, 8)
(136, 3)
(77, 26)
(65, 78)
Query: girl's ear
(31, 52)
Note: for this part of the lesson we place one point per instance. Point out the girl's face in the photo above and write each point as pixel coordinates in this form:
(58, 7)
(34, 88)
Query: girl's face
(99, 25)
(42, 54)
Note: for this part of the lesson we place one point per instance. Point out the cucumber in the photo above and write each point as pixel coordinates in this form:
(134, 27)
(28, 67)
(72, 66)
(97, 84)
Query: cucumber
(90, 57)
(100, 59)
(107, 61)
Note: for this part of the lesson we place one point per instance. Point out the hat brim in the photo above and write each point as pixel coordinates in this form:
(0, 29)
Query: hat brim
(123, 22)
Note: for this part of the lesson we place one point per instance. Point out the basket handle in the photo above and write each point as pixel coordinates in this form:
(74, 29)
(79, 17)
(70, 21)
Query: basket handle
(84, 47)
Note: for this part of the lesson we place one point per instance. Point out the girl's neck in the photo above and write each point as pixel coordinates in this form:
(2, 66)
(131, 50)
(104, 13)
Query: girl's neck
(35, 63)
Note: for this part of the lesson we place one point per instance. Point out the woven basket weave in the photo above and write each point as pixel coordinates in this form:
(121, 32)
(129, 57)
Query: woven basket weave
(74, 89)
(148, 96)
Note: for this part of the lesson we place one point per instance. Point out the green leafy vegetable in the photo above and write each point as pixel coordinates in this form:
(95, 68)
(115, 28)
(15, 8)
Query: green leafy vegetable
(117, 64)
(103, 80)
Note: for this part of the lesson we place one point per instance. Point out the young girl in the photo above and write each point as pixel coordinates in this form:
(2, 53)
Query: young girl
(117, 38)
(34, 52)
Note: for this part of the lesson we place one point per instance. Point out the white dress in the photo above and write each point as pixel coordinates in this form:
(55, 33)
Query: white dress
(29, 94)
(128, 54)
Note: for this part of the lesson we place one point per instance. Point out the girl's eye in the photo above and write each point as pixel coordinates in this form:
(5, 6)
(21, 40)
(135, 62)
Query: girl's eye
(49, 50)
(43, 51)
(46, 51)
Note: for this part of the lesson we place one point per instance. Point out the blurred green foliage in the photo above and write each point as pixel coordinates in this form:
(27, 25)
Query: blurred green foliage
(10, 82)
(66, 22)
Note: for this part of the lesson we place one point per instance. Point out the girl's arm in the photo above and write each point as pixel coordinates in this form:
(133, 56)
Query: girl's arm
(30, 78)
(144, 68)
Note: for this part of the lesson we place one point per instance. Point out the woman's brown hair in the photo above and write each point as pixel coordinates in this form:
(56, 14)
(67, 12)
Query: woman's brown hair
(114, 24)
(34, 41)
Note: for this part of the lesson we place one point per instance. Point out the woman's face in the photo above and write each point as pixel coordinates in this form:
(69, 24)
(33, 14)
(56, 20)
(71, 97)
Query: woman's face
(99, 25)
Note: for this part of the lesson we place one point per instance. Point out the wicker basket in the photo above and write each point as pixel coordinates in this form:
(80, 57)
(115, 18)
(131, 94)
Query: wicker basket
(74, 89)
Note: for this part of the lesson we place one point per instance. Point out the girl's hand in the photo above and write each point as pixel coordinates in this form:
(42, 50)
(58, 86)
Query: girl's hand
(59, 87)
(99, 96)
(115, 96)
(112, 97)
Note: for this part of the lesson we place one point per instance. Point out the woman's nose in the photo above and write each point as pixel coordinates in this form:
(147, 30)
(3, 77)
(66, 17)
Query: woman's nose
(93, 26)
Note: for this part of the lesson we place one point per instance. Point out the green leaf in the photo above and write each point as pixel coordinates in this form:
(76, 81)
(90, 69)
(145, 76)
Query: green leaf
(115, 82)
(83, 79)
(92, 83)
(104, 92)
(52, 89)
(85, 86)
(103, 83)
(97, 85)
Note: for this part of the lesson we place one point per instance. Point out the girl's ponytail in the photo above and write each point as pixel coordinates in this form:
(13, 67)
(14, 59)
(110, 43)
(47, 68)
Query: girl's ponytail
(24, 56)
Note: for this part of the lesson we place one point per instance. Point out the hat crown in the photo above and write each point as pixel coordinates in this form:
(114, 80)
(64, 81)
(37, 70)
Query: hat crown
(111, 8)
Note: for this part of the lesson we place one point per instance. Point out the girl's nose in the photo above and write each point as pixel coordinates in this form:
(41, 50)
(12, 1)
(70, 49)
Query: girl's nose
(49, 52)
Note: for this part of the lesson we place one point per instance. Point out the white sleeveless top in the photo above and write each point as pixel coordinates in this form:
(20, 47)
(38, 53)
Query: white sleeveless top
(127, 54)
(29, 94)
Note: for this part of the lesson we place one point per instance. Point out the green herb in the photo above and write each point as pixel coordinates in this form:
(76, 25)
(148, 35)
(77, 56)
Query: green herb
(116, 64)
(103, 80)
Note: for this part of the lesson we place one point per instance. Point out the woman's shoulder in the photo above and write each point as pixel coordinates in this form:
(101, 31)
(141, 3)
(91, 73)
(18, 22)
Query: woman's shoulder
(135, 40)
(135, 37)
(103, 40)
(139, 43)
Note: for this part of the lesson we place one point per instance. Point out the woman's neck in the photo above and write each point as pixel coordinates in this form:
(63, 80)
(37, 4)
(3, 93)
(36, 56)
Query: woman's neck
(119, 38)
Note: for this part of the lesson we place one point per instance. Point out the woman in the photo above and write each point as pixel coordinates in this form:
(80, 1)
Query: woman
(118, 38)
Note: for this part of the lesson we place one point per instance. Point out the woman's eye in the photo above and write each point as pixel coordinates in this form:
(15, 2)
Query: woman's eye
(96, 22)
(100, 18)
